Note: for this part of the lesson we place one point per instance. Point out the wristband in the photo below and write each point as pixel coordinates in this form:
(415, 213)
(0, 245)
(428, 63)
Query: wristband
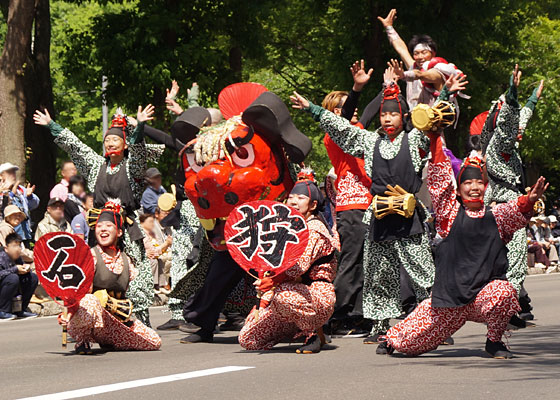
(392, 34)
(409, 76)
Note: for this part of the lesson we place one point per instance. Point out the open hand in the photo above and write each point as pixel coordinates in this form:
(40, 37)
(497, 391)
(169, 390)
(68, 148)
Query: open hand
(538, 189)
(359, 74)
(456, 83)
(145, 114)
(299, 101)
(398, 68)
(42, 119)
(389, 76)
(29, 189)
(172, 93)
(389, 20)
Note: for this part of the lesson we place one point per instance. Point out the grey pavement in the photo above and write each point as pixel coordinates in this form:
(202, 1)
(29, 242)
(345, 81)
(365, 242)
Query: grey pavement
(34, 364)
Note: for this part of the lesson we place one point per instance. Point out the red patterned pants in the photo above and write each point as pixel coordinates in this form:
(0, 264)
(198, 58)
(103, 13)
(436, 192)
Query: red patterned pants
(92, 323)
(427, 327)
(295, 309)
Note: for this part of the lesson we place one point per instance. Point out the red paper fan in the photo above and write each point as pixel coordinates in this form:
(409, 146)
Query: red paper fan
(64, 265)
(234, 99)
(478, 123)
(265, 235)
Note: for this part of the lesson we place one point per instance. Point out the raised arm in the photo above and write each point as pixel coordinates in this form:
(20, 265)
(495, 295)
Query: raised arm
(82, 155)
(442, 186)
(138, 156)
(507, 124)
(160, 137)
(398, 44)
(350, 139)
(527, 112)
(515, 214)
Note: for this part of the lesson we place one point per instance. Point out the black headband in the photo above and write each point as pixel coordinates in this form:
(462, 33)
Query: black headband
(115, 131)
(310, 189)
(469, 172)
(111, 216)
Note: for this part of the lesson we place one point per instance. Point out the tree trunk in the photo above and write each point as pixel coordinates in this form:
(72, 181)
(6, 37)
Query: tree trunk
(12, 73)
(38, 93)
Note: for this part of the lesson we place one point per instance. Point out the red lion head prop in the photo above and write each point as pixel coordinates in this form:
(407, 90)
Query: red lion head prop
(245, 158)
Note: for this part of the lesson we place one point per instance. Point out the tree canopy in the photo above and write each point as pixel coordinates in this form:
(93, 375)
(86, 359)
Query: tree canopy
(306, 45)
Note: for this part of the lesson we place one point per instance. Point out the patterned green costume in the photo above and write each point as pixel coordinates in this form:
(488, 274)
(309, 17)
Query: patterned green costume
(505, 171)
(183, 243)
(88, 163)
(381, 295)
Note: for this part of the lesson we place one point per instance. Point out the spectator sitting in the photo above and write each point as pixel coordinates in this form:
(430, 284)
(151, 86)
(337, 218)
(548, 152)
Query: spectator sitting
(74, 203)
(21, 196)
(79, 223)
(54, 219)
(534, 247)
(15, 277)
(153, 191)
(13, 216)
(61, 189)
(554, 233)
(544, 237)
(154, 250)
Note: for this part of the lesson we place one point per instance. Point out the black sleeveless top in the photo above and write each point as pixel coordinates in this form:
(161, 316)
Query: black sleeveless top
(471, 256)
(105, 279)
(397, 171)
(114, 186)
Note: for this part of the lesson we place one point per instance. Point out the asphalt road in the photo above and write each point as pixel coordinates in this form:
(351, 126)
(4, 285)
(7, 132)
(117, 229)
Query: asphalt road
(33, 364)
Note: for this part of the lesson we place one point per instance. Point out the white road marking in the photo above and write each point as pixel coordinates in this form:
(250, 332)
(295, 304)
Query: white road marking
(72, 394)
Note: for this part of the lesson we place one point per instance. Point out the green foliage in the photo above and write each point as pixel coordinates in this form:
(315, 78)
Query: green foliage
(305, 45)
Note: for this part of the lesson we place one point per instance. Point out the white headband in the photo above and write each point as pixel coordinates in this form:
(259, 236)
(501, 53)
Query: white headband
(421, 47)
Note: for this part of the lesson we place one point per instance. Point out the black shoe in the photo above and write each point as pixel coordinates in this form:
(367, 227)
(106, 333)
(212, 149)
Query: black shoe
(235, 324)
(498, 350)
(527, 316)
(374, 339)
(517, 322)
(449, 341)
(198, 337)
(349, 329)
(172, 324)
(106, 346)
(189, 327)
(384, 348)
(313, 345)
(26, 315)
(84, 349)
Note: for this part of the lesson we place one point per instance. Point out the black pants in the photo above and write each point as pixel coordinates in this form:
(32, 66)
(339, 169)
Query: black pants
(525, 301)
(203, 309)
(408, 295)
(13, 284)
(349, 281)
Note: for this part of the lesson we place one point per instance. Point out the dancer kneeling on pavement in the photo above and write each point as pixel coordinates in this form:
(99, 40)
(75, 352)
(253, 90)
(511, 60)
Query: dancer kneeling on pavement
(471, 262)
(300, 300)
(91, 321)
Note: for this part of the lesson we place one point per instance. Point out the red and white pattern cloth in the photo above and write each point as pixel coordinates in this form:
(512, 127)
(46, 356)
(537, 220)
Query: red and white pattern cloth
(91, 323)
(296, 309)
(427, 327)
(352, 182)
